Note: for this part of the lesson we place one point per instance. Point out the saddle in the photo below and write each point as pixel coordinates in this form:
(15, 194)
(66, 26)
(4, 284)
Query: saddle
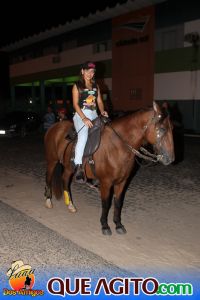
(92, 144)
(94, 136)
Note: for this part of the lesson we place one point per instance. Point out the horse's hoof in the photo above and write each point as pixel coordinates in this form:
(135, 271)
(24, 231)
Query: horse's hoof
(71, 207)
(106, 231)
(121, 230)
(48, 203)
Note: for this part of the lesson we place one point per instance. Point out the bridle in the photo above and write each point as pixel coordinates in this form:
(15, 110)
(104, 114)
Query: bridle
(160, 132)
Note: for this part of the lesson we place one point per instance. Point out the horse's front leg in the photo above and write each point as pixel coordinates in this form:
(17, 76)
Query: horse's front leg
(118, 204)
(106, 203)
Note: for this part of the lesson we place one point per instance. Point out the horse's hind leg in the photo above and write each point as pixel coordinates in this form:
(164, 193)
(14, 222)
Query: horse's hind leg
(118, 204)
(48, 195)
(48, 190)
(106, 203)
(67, 194)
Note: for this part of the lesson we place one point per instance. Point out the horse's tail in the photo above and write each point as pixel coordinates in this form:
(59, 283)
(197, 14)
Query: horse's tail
(56, 181)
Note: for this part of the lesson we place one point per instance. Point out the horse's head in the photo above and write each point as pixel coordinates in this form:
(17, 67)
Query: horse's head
(158, 132)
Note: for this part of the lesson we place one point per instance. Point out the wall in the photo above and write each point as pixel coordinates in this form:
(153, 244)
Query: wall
(65, 59)
(4, 82)
(133, 59)
(177, 71)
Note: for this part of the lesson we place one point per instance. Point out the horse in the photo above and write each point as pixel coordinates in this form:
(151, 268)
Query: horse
(114, 160)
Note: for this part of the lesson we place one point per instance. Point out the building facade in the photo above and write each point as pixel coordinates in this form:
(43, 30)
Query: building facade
(144, 51)
(177, 59)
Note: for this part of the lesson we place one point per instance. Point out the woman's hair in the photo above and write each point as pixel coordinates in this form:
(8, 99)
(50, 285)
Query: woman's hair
(81, 83)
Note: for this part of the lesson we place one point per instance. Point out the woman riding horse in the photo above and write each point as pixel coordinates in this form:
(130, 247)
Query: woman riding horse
(114, 160)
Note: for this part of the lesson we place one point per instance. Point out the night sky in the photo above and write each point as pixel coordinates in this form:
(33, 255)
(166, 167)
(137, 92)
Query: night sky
(19, 21)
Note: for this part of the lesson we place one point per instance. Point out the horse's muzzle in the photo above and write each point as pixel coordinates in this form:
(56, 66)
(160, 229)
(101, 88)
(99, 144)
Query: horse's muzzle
(165, 159)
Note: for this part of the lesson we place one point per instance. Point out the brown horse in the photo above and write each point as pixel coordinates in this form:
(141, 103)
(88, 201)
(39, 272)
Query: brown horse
(114, 159)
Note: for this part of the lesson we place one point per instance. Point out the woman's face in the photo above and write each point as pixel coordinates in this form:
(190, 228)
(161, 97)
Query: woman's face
(88, 74)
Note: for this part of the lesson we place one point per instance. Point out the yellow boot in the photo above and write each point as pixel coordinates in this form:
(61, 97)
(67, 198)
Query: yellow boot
(69, 203)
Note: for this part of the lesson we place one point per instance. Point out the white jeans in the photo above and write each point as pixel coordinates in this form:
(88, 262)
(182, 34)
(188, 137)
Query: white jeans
(82, 133)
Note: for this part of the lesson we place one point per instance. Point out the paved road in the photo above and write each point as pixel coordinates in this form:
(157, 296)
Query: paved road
(27, 156)
(45, 249)
(164, 202)
(23, 237)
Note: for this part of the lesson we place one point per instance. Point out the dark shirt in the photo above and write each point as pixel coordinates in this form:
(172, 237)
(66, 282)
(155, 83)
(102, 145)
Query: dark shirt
(49, 120)
(88, 98)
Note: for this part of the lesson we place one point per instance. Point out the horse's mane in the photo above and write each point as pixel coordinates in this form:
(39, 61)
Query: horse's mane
(131, 114)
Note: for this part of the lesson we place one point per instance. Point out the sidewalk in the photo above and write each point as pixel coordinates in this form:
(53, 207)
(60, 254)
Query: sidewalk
(162, 233)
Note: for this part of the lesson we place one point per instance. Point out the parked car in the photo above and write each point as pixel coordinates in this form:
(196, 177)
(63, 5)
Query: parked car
(19, 123)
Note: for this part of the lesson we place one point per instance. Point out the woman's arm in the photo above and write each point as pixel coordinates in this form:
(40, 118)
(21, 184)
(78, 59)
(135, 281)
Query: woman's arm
(100, 104)
(75, 96)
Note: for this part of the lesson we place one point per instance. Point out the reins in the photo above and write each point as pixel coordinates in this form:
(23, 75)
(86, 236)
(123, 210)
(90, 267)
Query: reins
(148, 156)
(145, 155)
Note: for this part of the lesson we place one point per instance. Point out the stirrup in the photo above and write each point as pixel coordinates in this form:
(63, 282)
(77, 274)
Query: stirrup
(80, 175)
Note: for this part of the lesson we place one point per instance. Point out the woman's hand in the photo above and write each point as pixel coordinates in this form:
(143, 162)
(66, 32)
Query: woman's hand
(87, 122)
(104, 113)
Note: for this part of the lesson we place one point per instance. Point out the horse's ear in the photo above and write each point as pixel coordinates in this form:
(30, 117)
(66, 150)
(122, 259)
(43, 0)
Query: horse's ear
(155, 107)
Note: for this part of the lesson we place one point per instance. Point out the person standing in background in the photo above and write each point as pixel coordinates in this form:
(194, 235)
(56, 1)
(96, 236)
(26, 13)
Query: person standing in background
(62, 114)
(49, 119)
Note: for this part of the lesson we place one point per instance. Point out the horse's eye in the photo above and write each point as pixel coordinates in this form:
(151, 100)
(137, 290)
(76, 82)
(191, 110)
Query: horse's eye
(161, 131)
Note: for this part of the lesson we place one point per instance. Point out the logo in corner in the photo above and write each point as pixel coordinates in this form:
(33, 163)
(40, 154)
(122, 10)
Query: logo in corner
(21, 276)
(21, 279)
